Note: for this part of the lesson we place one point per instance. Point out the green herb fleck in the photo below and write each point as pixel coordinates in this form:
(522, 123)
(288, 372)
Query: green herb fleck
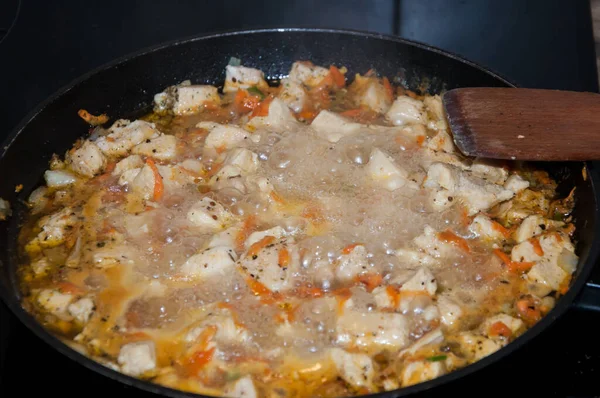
(256, 92)
(233, 61)
(437, 358)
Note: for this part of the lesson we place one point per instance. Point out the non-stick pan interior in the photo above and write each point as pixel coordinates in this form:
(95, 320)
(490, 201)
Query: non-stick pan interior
(126, 88)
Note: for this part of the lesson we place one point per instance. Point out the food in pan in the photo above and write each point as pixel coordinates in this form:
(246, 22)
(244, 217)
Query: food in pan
(318, 236)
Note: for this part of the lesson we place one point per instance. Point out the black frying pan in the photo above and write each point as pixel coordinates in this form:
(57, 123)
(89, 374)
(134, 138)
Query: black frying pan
(125, 88)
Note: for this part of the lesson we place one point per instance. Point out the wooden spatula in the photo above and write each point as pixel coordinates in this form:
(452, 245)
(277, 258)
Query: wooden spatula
(524, 124)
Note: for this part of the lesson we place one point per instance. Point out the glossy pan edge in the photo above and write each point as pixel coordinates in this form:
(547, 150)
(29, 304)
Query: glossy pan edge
(562, 305)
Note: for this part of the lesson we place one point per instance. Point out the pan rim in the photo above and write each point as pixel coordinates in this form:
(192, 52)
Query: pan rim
(561, 307)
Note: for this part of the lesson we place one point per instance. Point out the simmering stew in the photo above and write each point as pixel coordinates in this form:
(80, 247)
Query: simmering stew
(317, 236)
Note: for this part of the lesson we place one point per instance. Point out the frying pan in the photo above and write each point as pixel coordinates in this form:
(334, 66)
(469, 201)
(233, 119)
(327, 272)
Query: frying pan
(125, 88)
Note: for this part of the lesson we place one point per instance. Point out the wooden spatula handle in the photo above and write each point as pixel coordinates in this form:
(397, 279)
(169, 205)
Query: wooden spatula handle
(525, 124)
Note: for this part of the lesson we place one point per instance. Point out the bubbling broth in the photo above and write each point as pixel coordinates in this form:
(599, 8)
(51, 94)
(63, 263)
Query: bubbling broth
(319, 238)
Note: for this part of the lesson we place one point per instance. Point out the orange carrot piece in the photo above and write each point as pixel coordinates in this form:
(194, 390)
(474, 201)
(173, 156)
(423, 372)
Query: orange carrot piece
(393, 294)
(420, 140)
(528, 310)
(221, 148)
(496, 226)
(262, 109)
(537, 248)
(513, 266)
(348, 249)
(304, 291)
(283, 259)
(247, 228)
(371, 281)
(307, 115)
(499, 329)
(352, 112)
(337, 76)
(91, 119)
(276, 197)
(264, 293)
(261, 244)
(450, 237)
(389, 90)
(68, 287)
(159, 186)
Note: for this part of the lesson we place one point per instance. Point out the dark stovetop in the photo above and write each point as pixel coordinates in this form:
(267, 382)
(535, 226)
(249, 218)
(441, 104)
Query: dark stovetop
(536, 43)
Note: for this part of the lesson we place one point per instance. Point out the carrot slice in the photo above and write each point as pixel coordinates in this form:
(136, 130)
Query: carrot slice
(276, 197)
(348, 249)
(420, 140)
(283, 259)
(499, 329)
(450, 237)
(393, 294)
(496, 226)
(528, 310)
(352, 112)
(91, 119)
(247, 228)
(261, 244)
(389, 90)
(537, 248)
(262, 109)
(159, 187)
(337, 76)
(304, 291)
(513, 266)
(371, 281)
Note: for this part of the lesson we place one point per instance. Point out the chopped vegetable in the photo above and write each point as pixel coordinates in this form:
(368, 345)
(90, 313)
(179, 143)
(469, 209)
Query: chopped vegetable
(158, 180)
(437, 358)
(256, 92)
(91, 119)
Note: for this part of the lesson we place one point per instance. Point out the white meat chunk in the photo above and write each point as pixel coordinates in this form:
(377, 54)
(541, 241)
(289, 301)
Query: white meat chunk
(333, 127)
(55, 228)
(112, 255)
(557, 262)
(264, 265)
(352, 264)
(308, 74)
(382, 169)
(534, 225)
(414, 257)
(356, 369)
(434, 106)
(422, 281)
(441, 141)
(376, 330)
(516, 183)
(41, 266)
(430, 156)
(514, 324)
(209, 215)
(489, 170)
(293, 95)
(244, 159)
(82, 309)
(450, 311)
(137, 358)
(241, 77)
(484, 227)
(124, 135)
(241, 388)
(429, 242)
(128, 163)
(478, 346)
(55, 302)
(223, 136)
(190, 99)
(59, 178)
(383, 299)
(215, 261)
(375, 97)
(478, 195)
(225, 238)
(142, 182)
(406, 110)
(442, 175)
(434, 337)
(227, 330)
(87, 160)
(163, 147)
(277, 232)
(279, 118)
(420, 371)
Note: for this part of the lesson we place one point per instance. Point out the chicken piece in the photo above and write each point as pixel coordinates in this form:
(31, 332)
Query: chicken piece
(228, 331)
(371, 93)
(41, 266)
(55, 302)
(137, 358)
(143, 182)
(273, 265)
(441, 141)
(355, 369)
(352, 264)
(333, 127)
(484, 227)
(128, 163)
(208, 214)
(372, 330)
(383, 298)
(382, 169)
(516, 183)
(241, 388)
(223, 136)
(440, 175)
(422, 281)
(225, 238)
(306, 73)
(190, 99)
(419, 371)
(429, 157)
(429, 242)
(433, 104)
(86, 160)
(279, 118)
(434, 337)
(477, 346)
(406, 110)
(478, 195)
(293, 95)
(56, 228)
(514, 324)
(112, 255)
(277, 232)
(489, 170)
(535, 225)
(163, 147)
(82, 309)
(59, 178)
(414, 257)
(124, 135)
(241, 77)
(215, 261)
(450, 312)
(554, 265)
(244, 159)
